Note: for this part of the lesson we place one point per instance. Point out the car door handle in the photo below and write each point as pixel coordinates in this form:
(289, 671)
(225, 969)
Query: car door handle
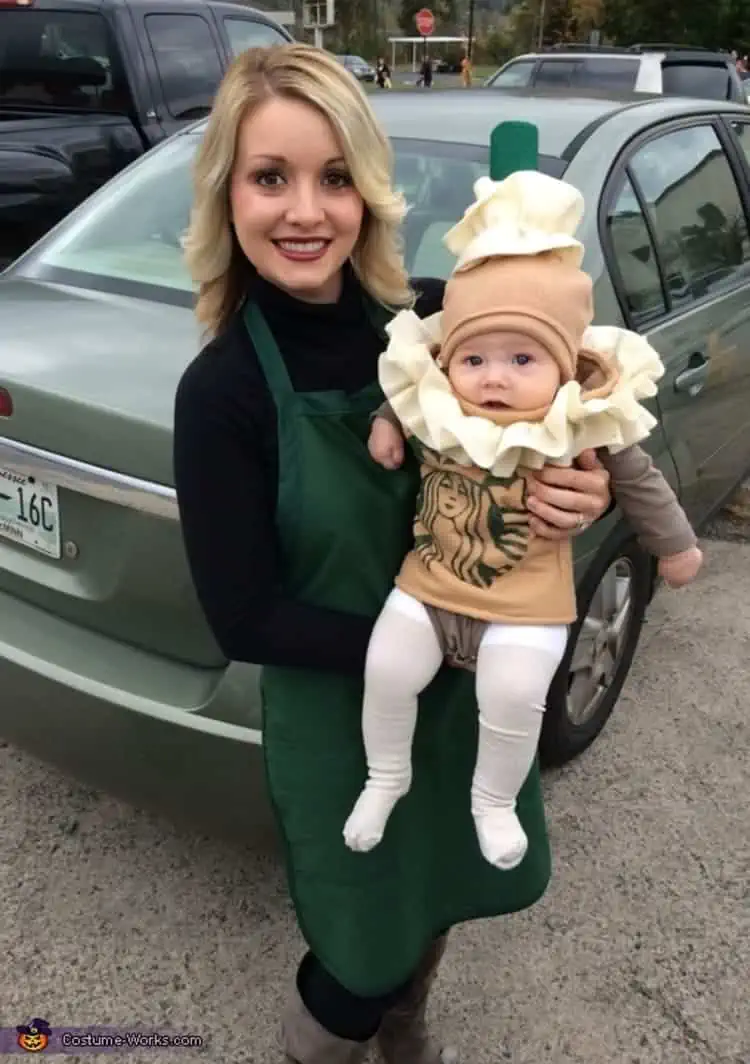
(693, 379)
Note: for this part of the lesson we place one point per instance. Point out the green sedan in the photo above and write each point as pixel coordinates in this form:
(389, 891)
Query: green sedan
(107, 667)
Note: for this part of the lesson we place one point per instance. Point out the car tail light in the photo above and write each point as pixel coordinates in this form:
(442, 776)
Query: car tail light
(16, 3)
(6, 402)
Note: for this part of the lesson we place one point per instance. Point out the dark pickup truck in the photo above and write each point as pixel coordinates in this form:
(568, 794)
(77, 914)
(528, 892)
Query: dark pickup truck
(86, 86)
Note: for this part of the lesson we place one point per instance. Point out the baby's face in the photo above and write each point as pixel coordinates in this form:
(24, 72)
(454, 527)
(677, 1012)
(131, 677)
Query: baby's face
(504, 371)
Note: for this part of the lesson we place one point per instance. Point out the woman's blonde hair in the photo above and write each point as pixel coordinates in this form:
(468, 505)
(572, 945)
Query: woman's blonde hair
(298, 71)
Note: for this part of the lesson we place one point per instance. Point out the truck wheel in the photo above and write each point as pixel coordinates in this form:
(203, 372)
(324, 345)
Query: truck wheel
(612, 602)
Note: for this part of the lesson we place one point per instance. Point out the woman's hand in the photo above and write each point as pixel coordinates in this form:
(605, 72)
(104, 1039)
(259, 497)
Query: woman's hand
(565, 501)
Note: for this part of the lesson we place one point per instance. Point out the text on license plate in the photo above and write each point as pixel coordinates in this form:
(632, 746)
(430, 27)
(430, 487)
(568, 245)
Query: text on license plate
(29, 512)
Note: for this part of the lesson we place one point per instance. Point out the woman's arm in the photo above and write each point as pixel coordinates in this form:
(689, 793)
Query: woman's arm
(234, 559)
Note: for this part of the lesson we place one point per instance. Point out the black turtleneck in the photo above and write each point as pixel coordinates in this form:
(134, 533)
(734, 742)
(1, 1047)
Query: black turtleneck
(225, 435)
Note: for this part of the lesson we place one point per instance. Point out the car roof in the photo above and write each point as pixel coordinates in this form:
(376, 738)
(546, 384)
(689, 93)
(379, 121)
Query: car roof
(468, 116)
(636, 52)
(93, 5)
(635, 57)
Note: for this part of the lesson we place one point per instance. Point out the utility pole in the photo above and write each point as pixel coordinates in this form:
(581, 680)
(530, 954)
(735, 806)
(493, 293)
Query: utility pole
(471, 29)
(542, 16)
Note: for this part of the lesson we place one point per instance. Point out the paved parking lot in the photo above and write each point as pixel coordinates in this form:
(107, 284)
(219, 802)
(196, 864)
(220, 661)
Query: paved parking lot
(639, 954)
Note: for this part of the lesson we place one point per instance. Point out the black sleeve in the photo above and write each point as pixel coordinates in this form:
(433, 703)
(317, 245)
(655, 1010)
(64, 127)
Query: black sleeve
(234, 560)
(430, 292)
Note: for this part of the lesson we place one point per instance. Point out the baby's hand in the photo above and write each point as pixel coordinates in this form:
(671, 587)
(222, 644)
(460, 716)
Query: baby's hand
(386, 444)
(676, 570)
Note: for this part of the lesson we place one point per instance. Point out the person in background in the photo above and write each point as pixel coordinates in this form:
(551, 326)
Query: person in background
(466, 72)
(425, 74)
(382, 74)
(293, 245)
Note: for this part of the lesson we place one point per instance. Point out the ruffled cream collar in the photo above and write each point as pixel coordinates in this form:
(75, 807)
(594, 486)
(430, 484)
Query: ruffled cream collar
(601, 408)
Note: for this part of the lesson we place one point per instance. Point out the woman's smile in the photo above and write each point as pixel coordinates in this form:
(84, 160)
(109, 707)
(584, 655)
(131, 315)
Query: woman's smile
(299, 250)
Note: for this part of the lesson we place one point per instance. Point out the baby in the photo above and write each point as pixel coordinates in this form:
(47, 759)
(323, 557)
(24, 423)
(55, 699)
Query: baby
(509, 376)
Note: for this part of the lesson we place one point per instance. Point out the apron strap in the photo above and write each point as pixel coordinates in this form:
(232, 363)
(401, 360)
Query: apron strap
(267, 350)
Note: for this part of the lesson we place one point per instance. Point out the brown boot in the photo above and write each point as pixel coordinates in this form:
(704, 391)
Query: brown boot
(403, 1037)
(304, 1041)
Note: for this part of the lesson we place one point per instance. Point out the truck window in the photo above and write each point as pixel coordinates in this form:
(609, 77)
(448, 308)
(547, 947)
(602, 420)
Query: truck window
(62, 59)
(607, 73)
(187, 61)
(244, 33)
(514, 76)
(553, 73)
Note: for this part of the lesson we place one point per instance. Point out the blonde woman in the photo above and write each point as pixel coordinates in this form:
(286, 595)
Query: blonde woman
(293, 243)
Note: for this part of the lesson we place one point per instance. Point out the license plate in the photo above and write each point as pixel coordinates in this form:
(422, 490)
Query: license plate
(29, 512)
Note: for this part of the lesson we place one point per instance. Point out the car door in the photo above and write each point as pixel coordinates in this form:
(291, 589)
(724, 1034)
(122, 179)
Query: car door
(676, 230)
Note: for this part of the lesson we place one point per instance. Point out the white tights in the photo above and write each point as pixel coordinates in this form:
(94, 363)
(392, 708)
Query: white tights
(515, 666)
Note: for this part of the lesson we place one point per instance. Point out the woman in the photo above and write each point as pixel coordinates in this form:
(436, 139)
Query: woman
(293, 243)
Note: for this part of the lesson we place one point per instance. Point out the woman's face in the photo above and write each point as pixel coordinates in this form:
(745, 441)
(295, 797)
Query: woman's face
(452, 498)
(296, 212)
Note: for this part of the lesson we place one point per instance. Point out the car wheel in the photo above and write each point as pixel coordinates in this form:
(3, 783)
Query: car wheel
(612, 603)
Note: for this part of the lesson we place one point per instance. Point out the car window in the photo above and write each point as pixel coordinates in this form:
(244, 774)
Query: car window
(515, 76)
(127, 237)
(695, 79)
(553, 72)
(130, 231)
(187, 61)
(244, 33)
(609, 73)
(59, 59)
(437, 181)
(438, 189)
(695, 206)
(632, 256)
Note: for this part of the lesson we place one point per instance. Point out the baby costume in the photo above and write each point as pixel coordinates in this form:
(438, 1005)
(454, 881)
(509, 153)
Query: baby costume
(478, 589)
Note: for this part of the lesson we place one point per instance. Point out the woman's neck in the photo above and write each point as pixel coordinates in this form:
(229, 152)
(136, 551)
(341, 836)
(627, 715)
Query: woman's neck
(330, 292)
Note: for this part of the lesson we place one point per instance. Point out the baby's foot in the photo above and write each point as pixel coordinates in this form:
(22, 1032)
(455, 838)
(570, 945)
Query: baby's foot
(502, 840)
(366, 824)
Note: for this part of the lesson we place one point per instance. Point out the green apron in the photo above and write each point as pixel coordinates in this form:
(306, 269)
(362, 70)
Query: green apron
(344, 524)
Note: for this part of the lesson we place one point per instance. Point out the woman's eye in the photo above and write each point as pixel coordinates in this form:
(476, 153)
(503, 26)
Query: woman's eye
(268, 178)
(338, 179)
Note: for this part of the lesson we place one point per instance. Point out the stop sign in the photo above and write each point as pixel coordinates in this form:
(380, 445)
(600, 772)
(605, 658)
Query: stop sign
(425, 21)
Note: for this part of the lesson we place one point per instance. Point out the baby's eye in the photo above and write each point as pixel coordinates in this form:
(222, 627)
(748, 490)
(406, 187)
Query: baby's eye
(522, 359)
(473, 360)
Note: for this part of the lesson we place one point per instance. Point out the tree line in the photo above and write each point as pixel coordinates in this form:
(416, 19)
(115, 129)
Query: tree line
(506, 27)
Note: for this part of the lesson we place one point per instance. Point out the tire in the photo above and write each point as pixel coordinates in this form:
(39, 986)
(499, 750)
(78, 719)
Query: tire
(597, 659)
